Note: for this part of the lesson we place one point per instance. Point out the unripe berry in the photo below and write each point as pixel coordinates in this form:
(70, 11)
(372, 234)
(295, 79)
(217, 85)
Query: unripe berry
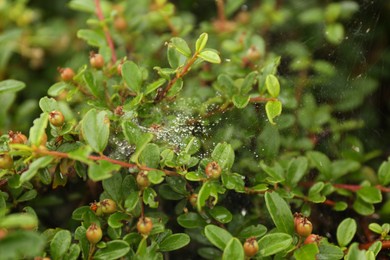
(56, 118)
(193, 199)
(108, 206)
(213, 170)
(251, 247)
(311, 239)
(96, 60)
(142, 180)
(17, 138)
(120, 23)
(67, 74)
(303, 227)
(6, 161)
(144, 226)
(94, 233)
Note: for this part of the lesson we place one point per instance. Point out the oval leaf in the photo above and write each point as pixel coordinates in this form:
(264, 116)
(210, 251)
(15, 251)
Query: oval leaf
(233, 250)
(273, 243)
(96, 129)
(273, 109)
(60, 244)
(210, 56)
(191, 220)
(221, 214)
(219, 237)
(201, 42)
(346, 231)
(11, 85)
(280, 212)
(174, 242)
(272, 85)
(114, 249)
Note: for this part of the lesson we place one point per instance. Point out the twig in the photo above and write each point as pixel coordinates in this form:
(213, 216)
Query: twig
(385, 244)
(261, 99)
(221, 10)
(107, 34)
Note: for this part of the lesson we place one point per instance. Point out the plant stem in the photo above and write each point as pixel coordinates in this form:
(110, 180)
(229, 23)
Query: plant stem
(261, 99)
(107, 34)
(221, 10)
(385, 244)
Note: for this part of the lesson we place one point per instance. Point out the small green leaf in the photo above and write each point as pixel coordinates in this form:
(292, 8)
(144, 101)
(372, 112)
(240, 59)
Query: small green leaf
(363, 207)
(223, 154)
(221, 214)
(174, 242)
(346, 231)
(210, 56)
(203, 195)
(280, 212)
(111, 187)
(252, 231)
(38, 129)
(340, 206)
(96, 129)
(102, 170)
(240, 101)
(92, 37)
(272, 85)
(21, 244)
(60, 244)
(273, 243)
(219, 237)
(370, 194)
(28, 195)
(33, 168)
(375, 228)
(48, 104)
(329, 251)
(296, 170)
(149, 197)
(19, 220)
(376, 247)
(114, 250)
(82, 5)
(233, 250)
(117, 219)
(334, 33)
(150, 156)
(233, 181)
(132, 76)
(273, 109)
(355, 253)
(176, 88)
(154, 85)
(209, 253)
(181, 46)
(306, 252)
(191, 220)
(11, 85)
(384, 173)
(132, 201)
(201, 42)
(321, 162)
(156, 176)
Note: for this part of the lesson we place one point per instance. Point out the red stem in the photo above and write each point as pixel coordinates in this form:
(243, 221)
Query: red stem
(261, 99)
(107, 34)
(385, 244)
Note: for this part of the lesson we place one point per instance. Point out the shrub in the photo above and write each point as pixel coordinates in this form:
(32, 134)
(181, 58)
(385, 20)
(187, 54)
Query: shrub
(169, 138)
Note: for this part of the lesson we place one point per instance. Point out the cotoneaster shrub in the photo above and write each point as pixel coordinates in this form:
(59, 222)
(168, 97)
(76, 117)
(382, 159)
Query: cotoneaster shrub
(206, 139)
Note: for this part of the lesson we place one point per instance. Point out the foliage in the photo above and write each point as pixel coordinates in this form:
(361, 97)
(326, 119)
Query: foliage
(178, 135)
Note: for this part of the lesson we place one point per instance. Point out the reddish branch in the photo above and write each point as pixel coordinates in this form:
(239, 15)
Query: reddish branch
(107, 34)
(261, 99)
(163, 92)
(103, 158)
(221, 10)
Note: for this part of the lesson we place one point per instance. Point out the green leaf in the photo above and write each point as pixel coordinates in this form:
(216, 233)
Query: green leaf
(272, 85)
(384, 173)
(280, 212)
(11, 85)
(346, 231)
(132, 201)
(233, 250)
(273, 243)
(81, 154)
(296, 169)
(73, 253)
(340, 168)
(96, 129)
(221, 214)
(174, 242)
(114, 249)
(149, 197)
(28, 195)
(240, 101)
(329, 251)
(60, 244)
(210, 56)
(117, 219)
(201, 42)
(248, 82)
(132, 76)
(21, 244)
(102, 170)
(252, 231)
(112, 187)
(210, 253)
(273, 109)
(156, 176)
(33, 168)
(181, 46)
(233, 181)
(38, 129)
(355, 253)
(176, 88)
(82, 5)
(19, 220)
(307, 252)
(150, 156)
(321, 162)
(376, 247)
(370, 194)
(92, 37)
(219, 237)
(48, 104)
(363, 207)
(203, 195)
(154, 85)
(191, 220)
(315, 193)
(223, 154)
(92, 85)
(375, 227)
(334, 33)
